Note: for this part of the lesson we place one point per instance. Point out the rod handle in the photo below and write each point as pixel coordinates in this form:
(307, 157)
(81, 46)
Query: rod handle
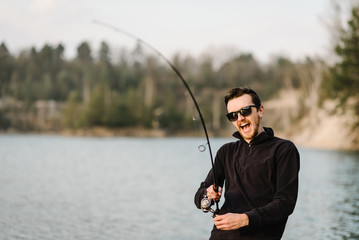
(215, 188)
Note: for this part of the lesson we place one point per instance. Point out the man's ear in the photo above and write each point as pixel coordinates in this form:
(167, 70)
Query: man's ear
(261, 111)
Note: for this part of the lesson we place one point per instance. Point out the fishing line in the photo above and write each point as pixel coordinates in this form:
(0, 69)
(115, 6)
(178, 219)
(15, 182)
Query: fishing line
(116, 29)
(190, 108)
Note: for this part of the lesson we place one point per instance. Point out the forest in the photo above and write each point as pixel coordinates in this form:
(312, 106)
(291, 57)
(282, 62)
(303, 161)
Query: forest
(41, 90)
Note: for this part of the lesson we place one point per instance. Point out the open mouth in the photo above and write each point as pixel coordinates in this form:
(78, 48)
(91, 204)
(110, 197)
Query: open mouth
(245, 126)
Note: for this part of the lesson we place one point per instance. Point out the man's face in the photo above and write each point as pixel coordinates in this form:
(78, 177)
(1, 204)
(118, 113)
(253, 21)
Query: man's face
(250, 126)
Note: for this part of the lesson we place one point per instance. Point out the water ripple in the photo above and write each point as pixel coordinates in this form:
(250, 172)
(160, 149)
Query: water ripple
(127, 188)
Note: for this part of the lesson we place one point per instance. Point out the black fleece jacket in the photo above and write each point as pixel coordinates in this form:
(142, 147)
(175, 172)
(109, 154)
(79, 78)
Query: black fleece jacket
(261, 180)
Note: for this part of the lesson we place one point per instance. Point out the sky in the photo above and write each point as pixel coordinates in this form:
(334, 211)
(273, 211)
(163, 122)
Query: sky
(265, 28)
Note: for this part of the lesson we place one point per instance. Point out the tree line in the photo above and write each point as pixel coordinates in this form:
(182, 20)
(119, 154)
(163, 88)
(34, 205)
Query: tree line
(137, 89)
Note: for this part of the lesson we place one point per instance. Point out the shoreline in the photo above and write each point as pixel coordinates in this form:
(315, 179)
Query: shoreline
(102, 132)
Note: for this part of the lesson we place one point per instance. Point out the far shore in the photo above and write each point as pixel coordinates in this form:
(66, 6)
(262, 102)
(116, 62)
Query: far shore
(158, 133)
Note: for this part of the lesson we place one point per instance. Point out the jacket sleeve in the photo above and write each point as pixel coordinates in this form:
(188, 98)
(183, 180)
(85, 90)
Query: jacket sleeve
(209, 179)
(202, 189)
(287, 169)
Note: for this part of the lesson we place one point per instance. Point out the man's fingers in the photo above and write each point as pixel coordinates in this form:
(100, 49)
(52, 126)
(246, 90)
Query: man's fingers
(211, 194)
(231, 221)
(221, 222)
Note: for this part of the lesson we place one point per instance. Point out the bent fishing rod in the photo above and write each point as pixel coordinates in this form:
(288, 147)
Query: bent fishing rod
(205, 203)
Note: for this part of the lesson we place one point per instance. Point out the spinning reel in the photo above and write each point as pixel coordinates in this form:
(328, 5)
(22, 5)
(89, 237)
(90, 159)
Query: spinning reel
(206, 204)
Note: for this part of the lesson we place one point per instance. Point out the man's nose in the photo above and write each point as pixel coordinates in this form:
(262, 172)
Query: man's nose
(240, 117)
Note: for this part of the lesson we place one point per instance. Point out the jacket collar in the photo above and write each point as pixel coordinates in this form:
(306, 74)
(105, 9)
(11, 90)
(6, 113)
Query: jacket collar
(262, 137)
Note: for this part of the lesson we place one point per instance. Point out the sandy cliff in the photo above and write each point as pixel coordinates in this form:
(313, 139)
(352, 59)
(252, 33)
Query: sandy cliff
(311, 126)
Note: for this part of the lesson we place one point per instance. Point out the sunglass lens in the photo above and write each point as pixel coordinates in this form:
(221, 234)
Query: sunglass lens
(233, 116)
(246, 111)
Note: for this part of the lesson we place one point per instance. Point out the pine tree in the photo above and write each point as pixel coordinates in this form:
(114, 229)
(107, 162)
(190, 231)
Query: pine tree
(344, 79)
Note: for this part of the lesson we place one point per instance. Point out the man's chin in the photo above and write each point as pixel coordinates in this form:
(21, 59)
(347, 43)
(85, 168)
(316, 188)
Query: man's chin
(248, 136)
(245, 136)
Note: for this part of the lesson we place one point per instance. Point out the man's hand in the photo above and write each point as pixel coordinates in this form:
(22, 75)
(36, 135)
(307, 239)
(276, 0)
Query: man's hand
(211, 194)
(231, 221)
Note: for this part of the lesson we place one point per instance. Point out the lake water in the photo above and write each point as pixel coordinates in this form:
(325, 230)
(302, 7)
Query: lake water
(54, 187)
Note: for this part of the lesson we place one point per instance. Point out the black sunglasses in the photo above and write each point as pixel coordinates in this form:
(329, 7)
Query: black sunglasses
(246, 111)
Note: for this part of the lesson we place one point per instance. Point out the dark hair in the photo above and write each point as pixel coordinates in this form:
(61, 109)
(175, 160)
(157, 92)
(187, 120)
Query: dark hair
(237, 92)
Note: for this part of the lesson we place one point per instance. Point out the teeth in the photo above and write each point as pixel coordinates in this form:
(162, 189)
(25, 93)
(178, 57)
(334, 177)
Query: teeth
(244, 124)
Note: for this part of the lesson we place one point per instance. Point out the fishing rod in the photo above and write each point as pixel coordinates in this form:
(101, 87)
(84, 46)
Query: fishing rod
(205, 203)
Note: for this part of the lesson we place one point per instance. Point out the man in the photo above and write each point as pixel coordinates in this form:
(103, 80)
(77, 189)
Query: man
(260, 172)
